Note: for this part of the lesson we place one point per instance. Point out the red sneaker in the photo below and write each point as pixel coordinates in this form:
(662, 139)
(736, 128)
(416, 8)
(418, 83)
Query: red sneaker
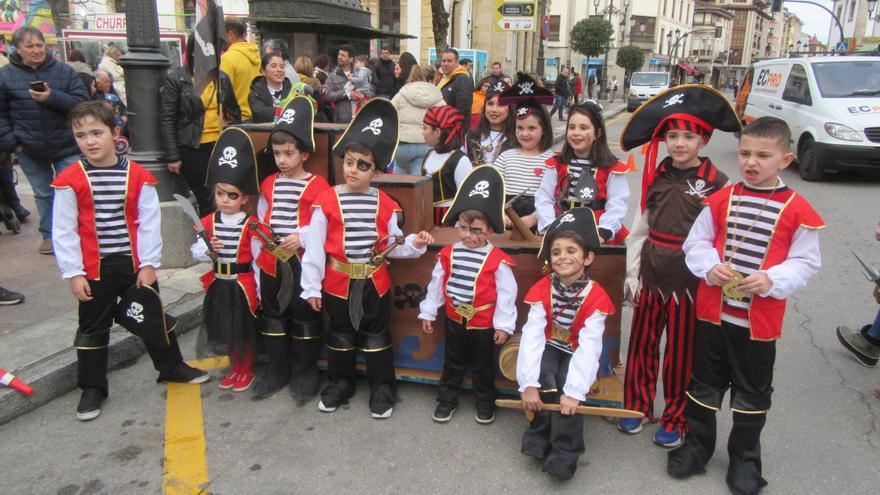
(229, 380)
(243, 382)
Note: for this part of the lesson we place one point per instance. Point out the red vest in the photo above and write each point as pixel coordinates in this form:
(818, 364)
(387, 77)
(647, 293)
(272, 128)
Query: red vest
(336, 283)
(76, 178)
(247, 280)
(765, 313)
(314, 187)
(595, 300)
(485, 291)
(601, 176)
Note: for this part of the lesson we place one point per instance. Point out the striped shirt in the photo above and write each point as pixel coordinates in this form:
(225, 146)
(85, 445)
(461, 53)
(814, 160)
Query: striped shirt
(230, 236)
(522, 173)
(750, 224)
(563, 315)
(359, 212)
(285, 205)
(575, 169)
(108, 191)
(466, 265)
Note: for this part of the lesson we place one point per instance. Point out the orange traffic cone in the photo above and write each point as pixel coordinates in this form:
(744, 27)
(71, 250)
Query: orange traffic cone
(631, 164)
(8, 379)
(644, 149)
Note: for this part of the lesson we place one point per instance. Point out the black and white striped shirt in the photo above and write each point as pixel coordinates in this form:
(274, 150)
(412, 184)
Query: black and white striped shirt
(575, 169)
(522, 173)
(563, 316)
(359, 212)
(229, 235)
(466, 265)
(108, 191)
(285, 205)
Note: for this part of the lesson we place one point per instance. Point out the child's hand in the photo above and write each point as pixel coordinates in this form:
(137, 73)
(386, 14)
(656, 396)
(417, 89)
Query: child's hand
(720, 274)
(291, 242)
(216, 243)
(531, 400)
(428, 326)
(756, 283)
(500, 337)
(632, 286)
(568, 405)
(146, 276)
(422, 239)
(80, 288)
(315, 303)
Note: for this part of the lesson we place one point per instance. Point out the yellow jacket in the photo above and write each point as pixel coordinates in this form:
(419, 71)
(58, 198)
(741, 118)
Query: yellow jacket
(241, 63)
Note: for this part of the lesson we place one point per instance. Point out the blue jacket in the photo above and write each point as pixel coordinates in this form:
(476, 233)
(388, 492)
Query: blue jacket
(40, 128)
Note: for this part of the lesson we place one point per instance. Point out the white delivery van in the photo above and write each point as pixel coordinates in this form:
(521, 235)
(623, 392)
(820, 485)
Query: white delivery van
(643, 86)
(831, 104)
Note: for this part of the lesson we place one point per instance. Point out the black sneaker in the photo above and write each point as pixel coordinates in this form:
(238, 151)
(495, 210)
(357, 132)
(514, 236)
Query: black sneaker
(331, 399)
(443, 413)
(184, 373)
(485, 415)
(9, 298)
(89, 404)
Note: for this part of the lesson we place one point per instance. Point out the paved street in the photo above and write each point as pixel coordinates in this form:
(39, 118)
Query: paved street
(821, 435)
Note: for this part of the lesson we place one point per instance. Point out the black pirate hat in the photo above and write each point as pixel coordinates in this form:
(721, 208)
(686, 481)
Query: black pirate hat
(579, 220)
(298, 120)
(141, 313)
(496, 89)
(482, 190)
(233, 161)
(526, 95)
(376, 127)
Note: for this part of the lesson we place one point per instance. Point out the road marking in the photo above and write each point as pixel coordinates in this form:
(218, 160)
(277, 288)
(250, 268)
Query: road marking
(616, 118)
(186, 466)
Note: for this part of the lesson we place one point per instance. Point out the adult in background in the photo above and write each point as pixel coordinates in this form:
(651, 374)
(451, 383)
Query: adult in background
(268, 90)
(304, 70)
(241, 63)
(321, 73)
(110, 64)
(280, 47)
(412, 101)
(591, 83)
(189, 125)
(383, 75)
(405, 63)
(334, 89)
(467, 64)
(33, 120)
(77, 60)
(614, 88)
(456, 85)
(497, 75)
(322, 68)
(562, 90)
(577, 85)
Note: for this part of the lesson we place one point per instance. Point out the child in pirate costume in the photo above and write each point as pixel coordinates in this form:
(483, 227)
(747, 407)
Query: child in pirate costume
(473, 280)
(585, 173)
(231, 300)
(351, 224)
(291, 330)
(107, 238)
(496, 129)
(446, 163)
(754, 244)
(561, 342)
(658, 282)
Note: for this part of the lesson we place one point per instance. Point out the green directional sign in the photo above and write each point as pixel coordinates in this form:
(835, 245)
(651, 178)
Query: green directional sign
(517, 9)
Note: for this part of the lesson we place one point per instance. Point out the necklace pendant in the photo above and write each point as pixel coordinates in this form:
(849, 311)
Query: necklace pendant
(731, 289)
(489, 148)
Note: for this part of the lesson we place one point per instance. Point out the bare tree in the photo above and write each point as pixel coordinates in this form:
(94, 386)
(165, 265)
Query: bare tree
(440, 24)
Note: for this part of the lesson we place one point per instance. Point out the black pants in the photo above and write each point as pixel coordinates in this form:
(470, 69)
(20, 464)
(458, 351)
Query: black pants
(194, 170)
(96, 317)
(552, 436)
(463, 347)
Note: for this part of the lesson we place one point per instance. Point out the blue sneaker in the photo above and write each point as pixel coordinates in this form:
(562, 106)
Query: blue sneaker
(667, 438)
(631, 425)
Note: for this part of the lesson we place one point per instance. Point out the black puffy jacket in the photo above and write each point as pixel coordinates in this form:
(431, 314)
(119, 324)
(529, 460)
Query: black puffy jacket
(40, 128)
(383, 77)
(182, 115)
(260, 99)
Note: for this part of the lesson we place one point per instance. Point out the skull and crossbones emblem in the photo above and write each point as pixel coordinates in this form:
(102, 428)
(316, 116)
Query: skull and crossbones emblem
(525, 88)
(135, 312)
(568, 217)
(699, 188)
(586, 194)
(499, 87)
(481, 189)
(674, 100)
(375, 127)
(522, 112)
(287, 116)
(229, 157)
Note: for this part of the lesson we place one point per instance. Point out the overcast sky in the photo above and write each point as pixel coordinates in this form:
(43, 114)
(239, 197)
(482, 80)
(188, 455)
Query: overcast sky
(816, 20)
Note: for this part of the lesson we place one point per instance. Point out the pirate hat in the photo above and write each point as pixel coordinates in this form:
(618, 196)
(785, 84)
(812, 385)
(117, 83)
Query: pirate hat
(526, 95)
(233, 161)
(692, 107)
(482, 190)
(376, 127)
(496, 89)
(141, 313)
(579, 220)
(298, 119)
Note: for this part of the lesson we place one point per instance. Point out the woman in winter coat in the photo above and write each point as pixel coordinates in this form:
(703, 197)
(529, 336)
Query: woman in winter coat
(268, 90)
(110, 65)
(412, 101)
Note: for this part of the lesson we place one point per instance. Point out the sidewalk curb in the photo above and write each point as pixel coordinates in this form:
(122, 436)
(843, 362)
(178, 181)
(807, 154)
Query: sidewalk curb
(56, 374)
(610, 114)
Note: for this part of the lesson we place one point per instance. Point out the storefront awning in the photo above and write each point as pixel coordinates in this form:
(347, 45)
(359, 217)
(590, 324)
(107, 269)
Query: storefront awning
(690, 69)
(304, 25)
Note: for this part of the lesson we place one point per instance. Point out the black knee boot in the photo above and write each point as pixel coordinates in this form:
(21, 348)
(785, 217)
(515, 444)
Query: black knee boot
(277, 372)
(165, 358)
(342, 383)
(699, 443)
(305, 348)
(92, 369)
(380, 374)
(744, 449)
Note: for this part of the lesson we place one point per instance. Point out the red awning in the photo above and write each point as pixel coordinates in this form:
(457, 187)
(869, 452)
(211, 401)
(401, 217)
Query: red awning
(690, 69)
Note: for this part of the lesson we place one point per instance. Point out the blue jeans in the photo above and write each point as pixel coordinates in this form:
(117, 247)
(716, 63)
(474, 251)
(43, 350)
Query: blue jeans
(560, 104)
(409, 158)
(41, 174)
(874, 331)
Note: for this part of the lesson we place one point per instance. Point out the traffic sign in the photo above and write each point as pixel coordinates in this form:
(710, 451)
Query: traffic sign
(517, 9)
(515, 15)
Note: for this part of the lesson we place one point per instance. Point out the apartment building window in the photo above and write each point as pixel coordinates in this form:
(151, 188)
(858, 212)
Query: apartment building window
(689, 13)
(673, 9)
(555, 20)
(664, 8)
(389, 20)
(852, 10)
(662, 40)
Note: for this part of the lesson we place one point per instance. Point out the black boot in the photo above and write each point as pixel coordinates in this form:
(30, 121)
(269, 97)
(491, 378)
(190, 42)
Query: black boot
(92, 379)
(305, 348)
(168, 361)
(341, 372)
(744, 449)
(277, 372)
(699, 443)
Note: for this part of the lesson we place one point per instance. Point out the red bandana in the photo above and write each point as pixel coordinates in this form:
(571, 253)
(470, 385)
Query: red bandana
(445, 117)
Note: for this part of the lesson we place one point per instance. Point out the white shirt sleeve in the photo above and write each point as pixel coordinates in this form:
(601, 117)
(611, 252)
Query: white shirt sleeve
(256, 246)
(65, 238)
(504, 318)
(584, 364)
(199, 250)
(262, 208)
(699, 247)
(462, 169)
(616, 204)
(531, 349)
(545, 205)
(634, 242)
(803, 261)
(149, 228)
(435, 298)
(406, 250)
(314, 260)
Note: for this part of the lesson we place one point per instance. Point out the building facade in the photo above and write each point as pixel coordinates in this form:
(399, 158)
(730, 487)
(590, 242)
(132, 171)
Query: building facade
(713, 27)
(861, 28)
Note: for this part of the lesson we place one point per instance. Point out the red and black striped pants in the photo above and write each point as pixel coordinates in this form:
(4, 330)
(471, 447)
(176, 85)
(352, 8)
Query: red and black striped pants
(650, 317)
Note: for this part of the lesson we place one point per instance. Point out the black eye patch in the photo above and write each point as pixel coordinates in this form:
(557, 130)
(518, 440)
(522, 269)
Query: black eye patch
(364, 166)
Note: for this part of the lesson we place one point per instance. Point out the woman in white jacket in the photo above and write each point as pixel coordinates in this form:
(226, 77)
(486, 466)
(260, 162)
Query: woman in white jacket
(110, 64)
(412, 101)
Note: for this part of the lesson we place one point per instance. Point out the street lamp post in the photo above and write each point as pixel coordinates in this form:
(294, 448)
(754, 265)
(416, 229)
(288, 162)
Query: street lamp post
(610, 10)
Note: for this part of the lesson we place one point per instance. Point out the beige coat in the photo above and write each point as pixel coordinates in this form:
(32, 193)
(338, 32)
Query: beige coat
(113, 68)
(412, 101)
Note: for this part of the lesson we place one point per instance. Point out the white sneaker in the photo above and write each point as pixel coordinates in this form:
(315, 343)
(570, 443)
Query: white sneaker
(385, 415)
(323, 408)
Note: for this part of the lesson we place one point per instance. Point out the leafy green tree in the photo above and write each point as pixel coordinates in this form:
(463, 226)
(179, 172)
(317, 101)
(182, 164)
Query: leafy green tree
(631, 58)
(591, 37)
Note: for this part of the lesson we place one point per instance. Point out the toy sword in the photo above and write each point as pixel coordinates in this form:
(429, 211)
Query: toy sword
(871, 273)
(285, 291)
(197, 222)
(585, 410)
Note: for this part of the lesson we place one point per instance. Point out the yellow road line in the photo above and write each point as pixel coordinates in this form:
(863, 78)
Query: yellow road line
(209, 363)
(615, 119)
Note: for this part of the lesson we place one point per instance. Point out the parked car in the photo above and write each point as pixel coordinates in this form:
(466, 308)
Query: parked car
(644, 86)
(831, 104)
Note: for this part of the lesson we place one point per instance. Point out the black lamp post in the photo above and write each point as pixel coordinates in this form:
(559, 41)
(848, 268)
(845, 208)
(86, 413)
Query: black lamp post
(610, 10)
